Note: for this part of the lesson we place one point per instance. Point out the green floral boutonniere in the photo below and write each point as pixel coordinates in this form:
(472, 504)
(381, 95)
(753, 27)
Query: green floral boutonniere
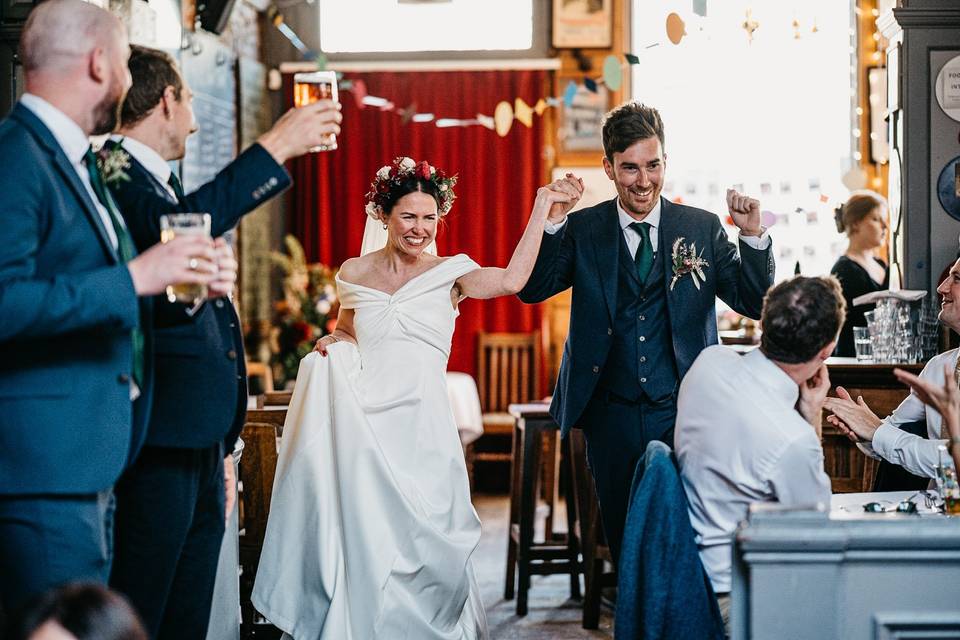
(686, 260)
(113, 164)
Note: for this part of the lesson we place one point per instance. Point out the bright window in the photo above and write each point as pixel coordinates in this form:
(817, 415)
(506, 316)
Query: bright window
(773, 116)
(455, 25)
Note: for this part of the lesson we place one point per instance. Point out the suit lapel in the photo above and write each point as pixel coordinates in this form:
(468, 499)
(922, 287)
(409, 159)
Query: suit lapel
(141, 172)
(69, 174)
(606, 246)
(670, 229)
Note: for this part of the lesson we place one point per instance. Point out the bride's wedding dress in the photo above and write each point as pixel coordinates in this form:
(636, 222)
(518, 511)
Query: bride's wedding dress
(371, 527)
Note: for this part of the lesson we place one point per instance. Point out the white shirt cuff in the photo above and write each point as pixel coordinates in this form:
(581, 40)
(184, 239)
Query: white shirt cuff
(552, 227)
(884, 440)
(760, 243)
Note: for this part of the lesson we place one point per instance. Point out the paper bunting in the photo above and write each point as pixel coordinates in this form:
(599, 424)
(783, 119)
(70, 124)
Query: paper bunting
(569, 94)
(590, 84)
(422, 117)
(675, 28)
(503, 118)
(523, 112)
(632, 59)
(750, 25)
(540, 107)
(612, 73)
(359, 91)
(406, 115)
(700, 8)
(486, 121)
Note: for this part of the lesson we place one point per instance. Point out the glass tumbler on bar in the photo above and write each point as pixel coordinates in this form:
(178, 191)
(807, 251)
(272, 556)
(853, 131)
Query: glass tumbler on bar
(313, 87)
(185, 224)
(862, 344)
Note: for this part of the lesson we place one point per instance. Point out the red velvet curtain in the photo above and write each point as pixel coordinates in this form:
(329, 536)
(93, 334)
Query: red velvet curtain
(499, 177)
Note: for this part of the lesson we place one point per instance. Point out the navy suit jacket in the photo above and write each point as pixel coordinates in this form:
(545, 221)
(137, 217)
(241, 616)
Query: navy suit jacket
(67, 307)
(200, 395)
(584, 255)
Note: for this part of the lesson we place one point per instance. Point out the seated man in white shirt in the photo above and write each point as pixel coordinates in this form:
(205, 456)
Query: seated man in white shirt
(748, 426)
(886, 438)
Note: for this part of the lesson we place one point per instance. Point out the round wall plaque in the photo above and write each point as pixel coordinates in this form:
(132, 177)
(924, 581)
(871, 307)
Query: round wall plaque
(948, 88)
(948, 188)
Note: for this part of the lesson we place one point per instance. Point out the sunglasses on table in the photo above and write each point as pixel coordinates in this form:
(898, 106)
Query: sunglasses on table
(904, 506)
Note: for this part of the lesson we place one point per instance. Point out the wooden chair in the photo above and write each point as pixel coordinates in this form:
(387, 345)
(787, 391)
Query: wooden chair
(257, 468)
(263, 372)
(274, 399)
(508, 372)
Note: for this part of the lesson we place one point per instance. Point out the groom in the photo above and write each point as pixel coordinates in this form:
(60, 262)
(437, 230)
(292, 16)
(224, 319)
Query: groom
(643, 302)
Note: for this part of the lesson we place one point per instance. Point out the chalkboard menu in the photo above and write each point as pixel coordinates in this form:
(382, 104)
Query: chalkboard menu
(208, 67)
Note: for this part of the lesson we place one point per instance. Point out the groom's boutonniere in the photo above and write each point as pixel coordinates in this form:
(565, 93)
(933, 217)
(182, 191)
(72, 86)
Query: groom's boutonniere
(686, 260)
(113, 164)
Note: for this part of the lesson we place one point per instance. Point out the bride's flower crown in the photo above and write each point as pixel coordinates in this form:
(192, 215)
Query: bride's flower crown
(394, 174)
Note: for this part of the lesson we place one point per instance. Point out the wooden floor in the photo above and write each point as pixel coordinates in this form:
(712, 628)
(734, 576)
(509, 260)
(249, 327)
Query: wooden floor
(552, 614)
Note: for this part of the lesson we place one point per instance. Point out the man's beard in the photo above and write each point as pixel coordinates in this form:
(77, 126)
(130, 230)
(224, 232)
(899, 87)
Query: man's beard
(106, 114)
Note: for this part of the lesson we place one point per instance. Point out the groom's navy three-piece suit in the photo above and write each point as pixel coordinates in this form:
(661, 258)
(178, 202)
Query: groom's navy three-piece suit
(170, 502)
(631, 342)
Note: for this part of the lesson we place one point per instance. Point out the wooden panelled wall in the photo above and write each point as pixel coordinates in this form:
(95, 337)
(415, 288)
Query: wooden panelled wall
(575, 64)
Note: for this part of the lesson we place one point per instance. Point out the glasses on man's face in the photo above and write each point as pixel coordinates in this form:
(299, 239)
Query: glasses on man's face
(904, 506)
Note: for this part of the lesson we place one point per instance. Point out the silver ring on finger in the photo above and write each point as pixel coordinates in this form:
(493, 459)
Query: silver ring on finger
(193, 264)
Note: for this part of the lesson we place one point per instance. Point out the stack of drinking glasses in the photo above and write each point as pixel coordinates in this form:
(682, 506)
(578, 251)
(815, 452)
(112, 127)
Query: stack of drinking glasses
(897, 331)
(929, 327)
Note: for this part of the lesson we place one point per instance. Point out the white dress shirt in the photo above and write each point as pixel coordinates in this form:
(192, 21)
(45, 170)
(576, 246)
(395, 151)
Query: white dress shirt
(759, 243)
(150, 159)
(917, 455)
(74, 143)
(740, 440)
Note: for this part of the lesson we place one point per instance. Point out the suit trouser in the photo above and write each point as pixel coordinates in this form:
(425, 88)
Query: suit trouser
(169, 526)
(617, 432)
(48, 540)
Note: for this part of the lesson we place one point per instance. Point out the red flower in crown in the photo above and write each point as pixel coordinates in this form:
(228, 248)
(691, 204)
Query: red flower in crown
(423, 170)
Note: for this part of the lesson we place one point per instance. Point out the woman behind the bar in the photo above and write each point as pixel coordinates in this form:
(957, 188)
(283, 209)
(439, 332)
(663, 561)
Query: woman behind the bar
(863, 217)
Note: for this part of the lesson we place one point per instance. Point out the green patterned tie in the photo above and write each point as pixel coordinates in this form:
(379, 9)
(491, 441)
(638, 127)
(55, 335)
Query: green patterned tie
(125, 248)
(643, 259)
(175, 184)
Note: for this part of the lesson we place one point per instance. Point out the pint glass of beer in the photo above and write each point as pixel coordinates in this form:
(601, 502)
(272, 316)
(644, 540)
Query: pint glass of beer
(312, 87)
(185, 224)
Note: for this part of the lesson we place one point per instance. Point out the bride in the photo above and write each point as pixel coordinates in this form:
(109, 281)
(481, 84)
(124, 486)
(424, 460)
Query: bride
(371, 528)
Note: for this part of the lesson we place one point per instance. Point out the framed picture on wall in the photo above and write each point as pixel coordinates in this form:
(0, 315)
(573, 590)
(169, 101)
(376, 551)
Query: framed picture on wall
(582, 23)
(579, 124)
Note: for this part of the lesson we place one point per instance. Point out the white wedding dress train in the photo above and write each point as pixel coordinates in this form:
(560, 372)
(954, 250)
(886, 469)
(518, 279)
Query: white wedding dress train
(371, 528)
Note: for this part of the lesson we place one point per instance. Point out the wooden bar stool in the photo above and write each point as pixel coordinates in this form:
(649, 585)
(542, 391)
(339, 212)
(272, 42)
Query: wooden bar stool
(557, 553)
(598, 569)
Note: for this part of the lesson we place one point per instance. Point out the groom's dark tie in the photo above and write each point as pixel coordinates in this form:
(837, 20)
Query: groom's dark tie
(125, 247)
(643, 259)
(174, 183)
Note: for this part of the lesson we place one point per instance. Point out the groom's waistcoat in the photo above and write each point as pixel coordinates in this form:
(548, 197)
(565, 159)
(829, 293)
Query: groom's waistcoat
(641, 360)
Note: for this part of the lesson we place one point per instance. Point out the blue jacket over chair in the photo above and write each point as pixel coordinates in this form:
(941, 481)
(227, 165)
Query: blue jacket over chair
(663, 593)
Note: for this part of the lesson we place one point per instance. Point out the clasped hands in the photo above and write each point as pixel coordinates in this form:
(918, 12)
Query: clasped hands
(859, 423)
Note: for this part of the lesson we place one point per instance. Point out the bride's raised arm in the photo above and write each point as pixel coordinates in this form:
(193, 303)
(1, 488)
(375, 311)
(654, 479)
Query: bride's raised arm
(491, 282)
